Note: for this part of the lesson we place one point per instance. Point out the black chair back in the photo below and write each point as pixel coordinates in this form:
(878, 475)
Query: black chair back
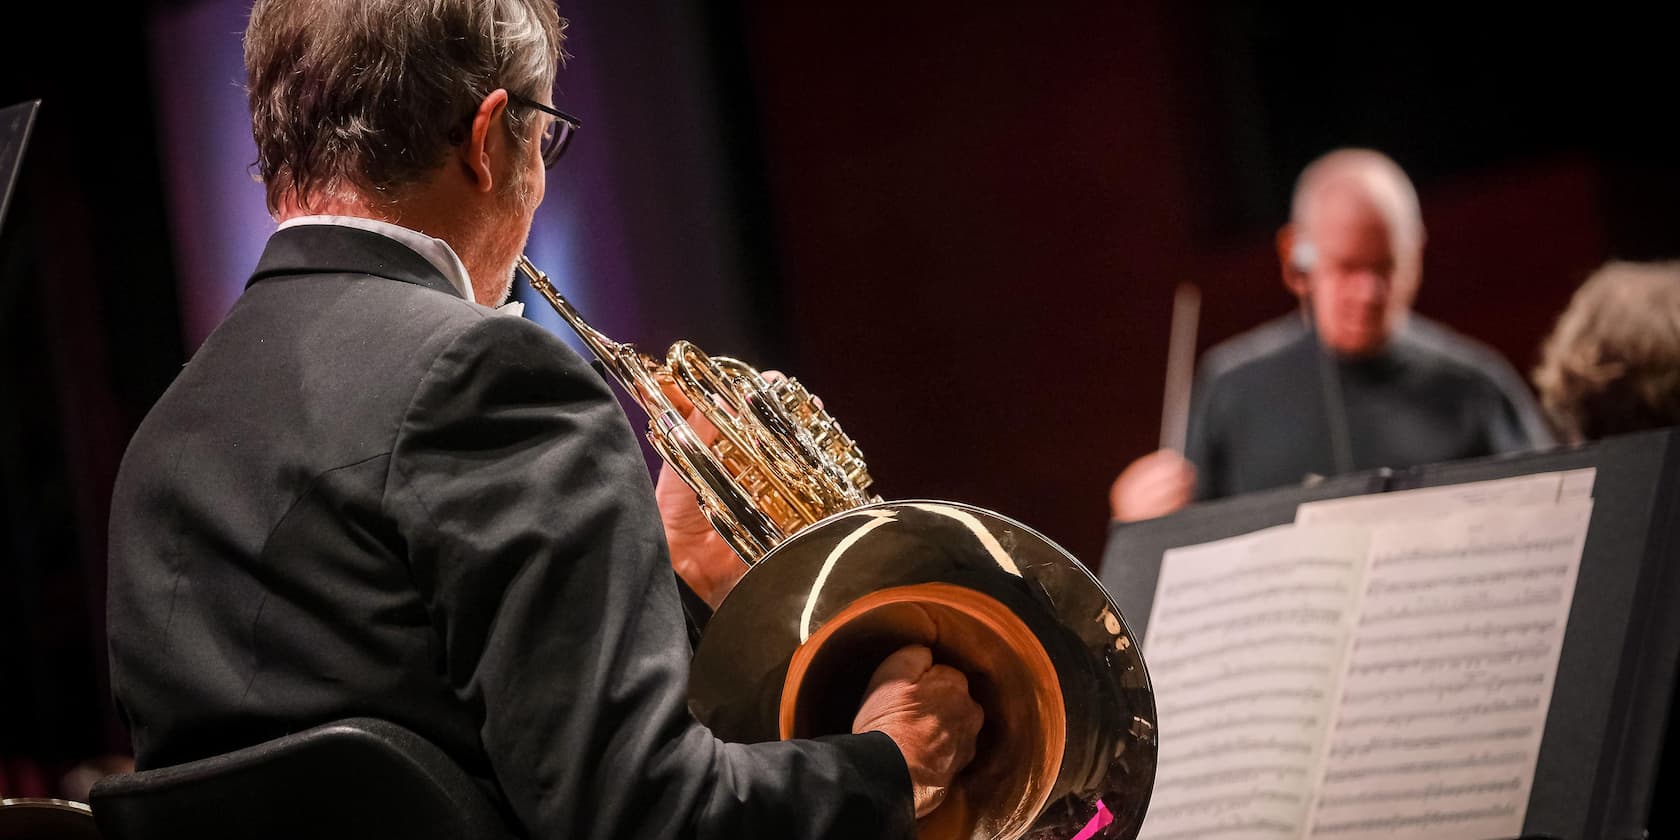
(357, 778)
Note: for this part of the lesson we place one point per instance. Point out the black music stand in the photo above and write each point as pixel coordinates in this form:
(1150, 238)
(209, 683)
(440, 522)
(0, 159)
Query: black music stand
(15, 123)
(1603, 756)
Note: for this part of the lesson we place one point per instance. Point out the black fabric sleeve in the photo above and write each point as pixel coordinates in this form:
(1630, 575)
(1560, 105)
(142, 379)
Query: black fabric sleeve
(531, 532)
(695, 610)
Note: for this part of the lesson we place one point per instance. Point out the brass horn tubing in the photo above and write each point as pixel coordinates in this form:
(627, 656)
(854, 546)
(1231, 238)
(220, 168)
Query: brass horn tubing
(747, 530)
(705, 392)
(831, 487)
(748, 427)
(630, 367)
(603, 347)
(809, 468)
(827, 437)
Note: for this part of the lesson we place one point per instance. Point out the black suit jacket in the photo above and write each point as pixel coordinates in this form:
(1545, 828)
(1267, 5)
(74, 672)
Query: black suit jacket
(367, 496)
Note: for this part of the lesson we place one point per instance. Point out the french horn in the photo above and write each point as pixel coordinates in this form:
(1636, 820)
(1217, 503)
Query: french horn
(838, 579)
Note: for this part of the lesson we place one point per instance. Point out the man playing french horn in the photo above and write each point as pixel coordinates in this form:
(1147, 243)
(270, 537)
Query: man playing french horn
(371, 494)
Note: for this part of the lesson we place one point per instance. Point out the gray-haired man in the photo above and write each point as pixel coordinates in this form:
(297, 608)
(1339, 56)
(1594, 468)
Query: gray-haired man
(370, 493)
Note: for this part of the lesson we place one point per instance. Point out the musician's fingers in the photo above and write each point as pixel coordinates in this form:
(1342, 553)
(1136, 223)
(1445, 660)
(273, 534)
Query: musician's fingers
(679, 400)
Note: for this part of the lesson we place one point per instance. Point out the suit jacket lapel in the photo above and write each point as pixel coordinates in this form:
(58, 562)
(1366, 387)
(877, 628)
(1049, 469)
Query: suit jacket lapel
(333, 249)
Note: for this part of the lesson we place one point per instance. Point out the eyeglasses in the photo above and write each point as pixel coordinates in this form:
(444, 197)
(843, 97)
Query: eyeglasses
(558, 135)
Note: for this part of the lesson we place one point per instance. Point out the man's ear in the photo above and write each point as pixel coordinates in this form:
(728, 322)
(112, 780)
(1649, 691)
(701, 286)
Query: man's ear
(486, 141)
(1294, 259)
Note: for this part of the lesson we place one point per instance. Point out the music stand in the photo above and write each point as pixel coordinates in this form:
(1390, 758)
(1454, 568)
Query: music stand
(1603, 754)
(15, 123)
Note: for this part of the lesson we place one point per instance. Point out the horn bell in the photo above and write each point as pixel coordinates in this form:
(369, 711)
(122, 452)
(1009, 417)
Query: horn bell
(1069, 735)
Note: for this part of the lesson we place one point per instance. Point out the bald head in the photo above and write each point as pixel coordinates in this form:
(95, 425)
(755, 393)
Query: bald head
(1353, 249)
(1366, 174)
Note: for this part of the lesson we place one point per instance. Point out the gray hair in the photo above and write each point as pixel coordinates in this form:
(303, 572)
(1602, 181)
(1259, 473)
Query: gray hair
(1381, 180)
(356, 99)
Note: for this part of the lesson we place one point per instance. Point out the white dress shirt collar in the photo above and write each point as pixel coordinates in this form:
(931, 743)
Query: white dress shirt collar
(436, 251)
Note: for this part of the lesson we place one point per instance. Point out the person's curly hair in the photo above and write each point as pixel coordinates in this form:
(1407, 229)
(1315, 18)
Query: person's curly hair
(1612, 364)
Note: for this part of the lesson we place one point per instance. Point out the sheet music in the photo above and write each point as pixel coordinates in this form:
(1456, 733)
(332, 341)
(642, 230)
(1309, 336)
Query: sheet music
(1444, 700)
(1576, 484)
(1245, 642)
(1432, 502)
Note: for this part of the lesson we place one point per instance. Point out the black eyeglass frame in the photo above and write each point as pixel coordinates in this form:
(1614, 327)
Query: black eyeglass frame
(566, 124)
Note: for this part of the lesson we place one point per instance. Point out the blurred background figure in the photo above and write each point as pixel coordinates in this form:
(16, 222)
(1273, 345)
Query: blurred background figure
(1355, 381)
(1612, 365)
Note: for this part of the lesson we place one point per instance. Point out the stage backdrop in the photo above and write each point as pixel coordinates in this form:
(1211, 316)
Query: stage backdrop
(981, 210)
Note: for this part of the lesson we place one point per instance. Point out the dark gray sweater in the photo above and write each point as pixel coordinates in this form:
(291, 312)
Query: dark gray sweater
(1270, 405)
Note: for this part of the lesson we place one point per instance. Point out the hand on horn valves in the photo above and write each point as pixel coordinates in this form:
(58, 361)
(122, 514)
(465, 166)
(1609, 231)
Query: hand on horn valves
(926, 709)
(699, 553)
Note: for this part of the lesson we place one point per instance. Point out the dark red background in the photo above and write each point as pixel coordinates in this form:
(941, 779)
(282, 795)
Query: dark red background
(981, 213)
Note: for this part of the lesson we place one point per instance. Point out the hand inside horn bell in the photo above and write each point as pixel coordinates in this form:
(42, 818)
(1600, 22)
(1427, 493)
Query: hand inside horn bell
(926, 709)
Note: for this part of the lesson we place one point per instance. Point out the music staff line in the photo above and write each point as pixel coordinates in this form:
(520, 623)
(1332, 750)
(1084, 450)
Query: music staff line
(1223, 803)
(1266, 668)
(1459, 713)
(1487, 630)
(1487, 658)
(1298, 615)
(1265, 570)
(1245, 697)
(1435, 766)
(1204, 730)
(1470, 682)
(1227, 775)
(1427, 742)
(1246, 746)
(1484, 604)
(1245, 828)
(1495, 579)
(1428, 819)
(1159, 665)
(1268, 593)
(1479, 551)
(1425, 793)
